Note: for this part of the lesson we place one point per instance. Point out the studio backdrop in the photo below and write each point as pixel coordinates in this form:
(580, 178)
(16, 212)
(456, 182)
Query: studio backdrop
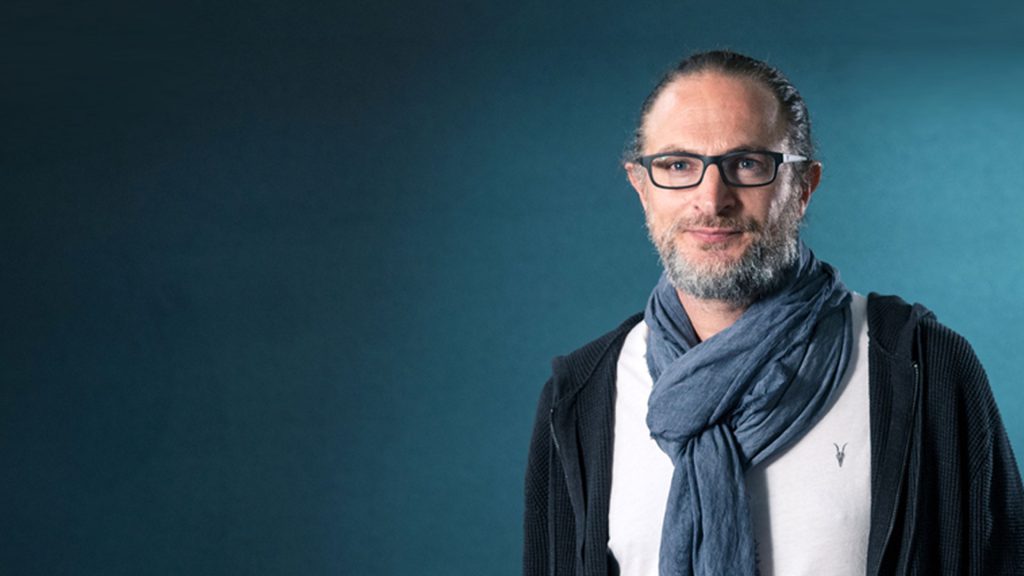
(282, 280)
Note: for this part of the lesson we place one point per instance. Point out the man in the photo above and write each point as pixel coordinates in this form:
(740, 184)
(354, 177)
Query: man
(759, 417)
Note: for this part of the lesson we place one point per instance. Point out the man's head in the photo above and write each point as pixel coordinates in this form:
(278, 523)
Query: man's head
(728, 238)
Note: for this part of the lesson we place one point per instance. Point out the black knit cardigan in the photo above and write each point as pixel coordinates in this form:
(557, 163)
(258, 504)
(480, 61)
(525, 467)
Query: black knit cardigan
(946, 495)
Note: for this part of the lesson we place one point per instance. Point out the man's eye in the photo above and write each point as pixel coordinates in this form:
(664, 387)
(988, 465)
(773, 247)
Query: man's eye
(675, 164)
(750, 164)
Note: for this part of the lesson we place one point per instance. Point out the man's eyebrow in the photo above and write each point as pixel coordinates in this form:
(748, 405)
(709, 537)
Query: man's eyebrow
(673, 149)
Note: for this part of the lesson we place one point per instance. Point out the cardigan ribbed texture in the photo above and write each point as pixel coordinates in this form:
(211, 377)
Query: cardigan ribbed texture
(946, 491)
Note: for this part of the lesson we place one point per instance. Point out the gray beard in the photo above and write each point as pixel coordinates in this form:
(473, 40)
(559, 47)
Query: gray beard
(759, 271)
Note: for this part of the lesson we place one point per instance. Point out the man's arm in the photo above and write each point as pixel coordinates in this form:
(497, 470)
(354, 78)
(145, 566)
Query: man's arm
(994, 524)
(997, 507)
(536, 546)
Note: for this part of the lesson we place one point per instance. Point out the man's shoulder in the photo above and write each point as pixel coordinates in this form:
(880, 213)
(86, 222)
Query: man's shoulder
(911, 333)
(587, 356)
(578, 366)
(895, 323)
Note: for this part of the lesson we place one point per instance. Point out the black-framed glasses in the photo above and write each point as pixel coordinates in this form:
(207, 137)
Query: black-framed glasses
(742, 168)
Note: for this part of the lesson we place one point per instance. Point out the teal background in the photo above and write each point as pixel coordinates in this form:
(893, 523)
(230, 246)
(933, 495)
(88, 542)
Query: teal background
(281, 281)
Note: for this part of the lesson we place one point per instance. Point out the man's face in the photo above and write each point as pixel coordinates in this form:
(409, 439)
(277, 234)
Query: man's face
(716, 241)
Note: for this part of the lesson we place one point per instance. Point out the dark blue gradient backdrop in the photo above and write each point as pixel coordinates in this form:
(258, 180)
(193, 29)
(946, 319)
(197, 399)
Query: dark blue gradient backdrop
(281, 280)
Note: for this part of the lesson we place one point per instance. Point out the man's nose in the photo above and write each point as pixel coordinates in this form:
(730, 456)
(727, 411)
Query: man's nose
(713, 196)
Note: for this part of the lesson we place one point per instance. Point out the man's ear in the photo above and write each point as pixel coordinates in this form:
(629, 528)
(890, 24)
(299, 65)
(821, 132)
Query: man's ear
(638, 180)
(809, 183)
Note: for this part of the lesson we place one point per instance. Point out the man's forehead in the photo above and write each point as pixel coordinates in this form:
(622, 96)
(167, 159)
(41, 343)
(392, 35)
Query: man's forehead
(714, 110)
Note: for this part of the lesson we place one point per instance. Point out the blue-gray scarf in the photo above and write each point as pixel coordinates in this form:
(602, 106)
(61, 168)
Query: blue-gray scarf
(728, 403)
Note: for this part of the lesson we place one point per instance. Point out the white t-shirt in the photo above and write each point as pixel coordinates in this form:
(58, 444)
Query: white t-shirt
(810, 505)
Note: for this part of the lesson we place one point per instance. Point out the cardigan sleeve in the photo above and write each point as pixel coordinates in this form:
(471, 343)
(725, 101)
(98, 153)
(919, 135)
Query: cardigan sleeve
(996, 530)
(994, 516)
(997, 502)
(536, 544)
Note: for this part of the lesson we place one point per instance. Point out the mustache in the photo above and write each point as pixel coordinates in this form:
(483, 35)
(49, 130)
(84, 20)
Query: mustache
(708, 221)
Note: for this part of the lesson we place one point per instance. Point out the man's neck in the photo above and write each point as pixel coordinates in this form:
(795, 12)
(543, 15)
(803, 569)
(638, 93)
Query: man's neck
(709, 317)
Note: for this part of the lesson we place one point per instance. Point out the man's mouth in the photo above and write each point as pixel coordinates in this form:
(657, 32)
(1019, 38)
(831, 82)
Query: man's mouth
(714, 235)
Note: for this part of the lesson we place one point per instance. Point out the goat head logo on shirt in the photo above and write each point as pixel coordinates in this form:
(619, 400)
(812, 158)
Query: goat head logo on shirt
(840, 453)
